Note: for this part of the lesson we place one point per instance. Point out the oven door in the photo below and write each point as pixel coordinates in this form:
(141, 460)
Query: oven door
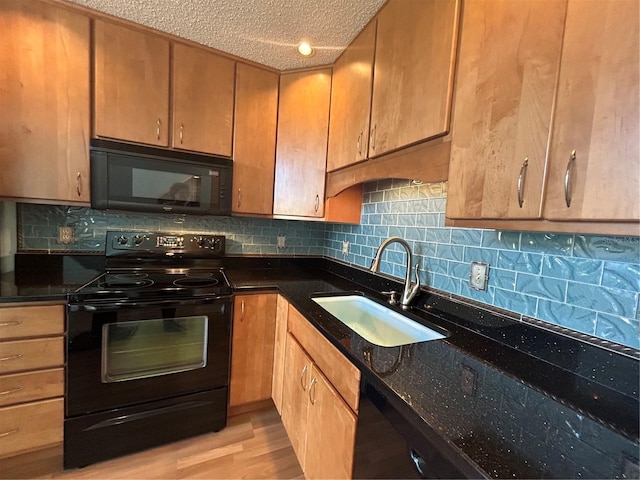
(123, 353)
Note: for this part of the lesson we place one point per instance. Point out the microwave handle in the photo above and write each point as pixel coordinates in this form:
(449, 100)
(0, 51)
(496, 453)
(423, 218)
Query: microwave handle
(119, 305)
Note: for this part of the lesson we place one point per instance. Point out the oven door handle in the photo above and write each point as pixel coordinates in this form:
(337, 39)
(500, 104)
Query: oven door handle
(96, 307)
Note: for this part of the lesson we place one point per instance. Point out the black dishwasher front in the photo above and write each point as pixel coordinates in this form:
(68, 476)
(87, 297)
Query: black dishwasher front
(389, 443)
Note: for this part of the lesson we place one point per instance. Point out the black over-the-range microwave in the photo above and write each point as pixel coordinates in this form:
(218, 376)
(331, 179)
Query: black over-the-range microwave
(147, 179)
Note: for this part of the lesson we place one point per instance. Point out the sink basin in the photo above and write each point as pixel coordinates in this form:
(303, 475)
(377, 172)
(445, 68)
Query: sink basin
(375, 322)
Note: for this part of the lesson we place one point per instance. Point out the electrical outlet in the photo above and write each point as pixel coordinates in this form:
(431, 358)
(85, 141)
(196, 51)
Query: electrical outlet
(345, 247)
(65, 235)
(479, 275)
(282, 241)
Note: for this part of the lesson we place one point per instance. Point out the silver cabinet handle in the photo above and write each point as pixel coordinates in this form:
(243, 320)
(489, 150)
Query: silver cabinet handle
(79, 184)
(317, 205)
(10, 432)
(567, 178)
(239, 197)
(312, 391)
(521, 178)
(302, 382)
(11, 323)
(9, 392)
(359, 143)
(11, 357)
(181, 133)
(242, 310)
(158, 123)
(372, 137)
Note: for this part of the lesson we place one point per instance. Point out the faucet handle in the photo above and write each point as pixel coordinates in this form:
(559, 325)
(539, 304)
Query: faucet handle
(393, 296)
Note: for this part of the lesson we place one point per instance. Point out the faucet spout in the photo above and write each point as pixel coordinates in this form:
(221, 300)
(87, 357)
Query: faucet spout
(411, 289)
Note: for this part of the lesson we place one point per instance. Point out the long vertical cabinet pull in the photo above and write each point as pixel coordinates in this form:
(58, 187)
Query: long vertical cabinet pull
(372, 137)
(312, 391)
(317, 204)
(359, 144)
(181, 133)
(158, 124)
(521, 179)
(303, 384)
(79, 184)
(242, 311)
(567, 178)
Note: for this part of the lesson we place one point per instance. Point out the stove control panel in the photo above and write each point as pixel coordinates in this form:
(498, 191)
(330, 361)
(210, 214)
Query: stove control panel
(123, 243)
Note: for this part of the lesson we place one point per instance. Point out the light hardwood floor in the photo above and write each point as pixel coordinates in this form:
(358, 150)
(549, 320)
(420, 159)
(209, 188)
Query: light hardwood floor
(253, 445)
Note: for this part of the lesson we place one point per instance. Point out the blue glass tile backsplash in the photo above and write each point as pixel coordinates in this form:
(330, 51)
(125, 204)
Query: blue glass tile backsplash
(587, 283)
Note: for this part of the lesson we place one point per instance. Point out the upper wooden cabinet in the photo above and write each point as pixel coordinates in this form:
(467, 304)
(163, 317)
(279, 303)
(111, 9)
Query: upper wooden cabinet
(351, 102)
(132, 71)
(301, 148)
(203, 92)
(131, 74)
(44, 102)
(502, 173)
(254, 140)
(507, 70)
(597, 115)
(413, 73)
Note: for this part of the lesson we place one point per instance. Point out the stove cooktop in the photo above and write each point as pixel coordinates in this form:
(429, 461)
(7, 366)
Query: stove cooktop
(146, 265)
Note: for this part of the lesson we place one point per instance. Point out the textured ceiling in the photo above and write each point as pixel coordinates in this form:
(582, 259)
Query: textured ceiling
(265, 31)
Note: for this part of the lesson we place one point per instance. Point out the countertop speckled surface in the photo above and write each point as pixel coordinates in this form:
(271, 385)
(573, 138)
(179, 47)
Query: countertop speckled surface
(544, 405)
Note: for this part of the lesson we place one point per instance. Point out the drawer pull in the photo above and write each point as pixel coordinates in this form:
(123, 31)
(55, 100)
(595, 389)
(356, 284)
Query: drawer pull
(11, 323)
(13, 390)
(11, 357)
(10, 432)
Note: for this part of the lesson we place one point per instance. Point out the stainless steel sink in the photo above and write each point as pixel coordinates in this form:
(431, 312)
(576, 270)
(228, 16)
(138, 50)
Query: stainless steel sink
(375, 322)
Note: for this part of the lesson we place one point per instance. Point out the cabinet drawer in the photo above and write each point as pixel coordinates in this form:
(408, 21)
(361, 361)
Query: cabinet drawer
(20, 355)
(342, 374)
(26, 387)
(30, 426)
(18, 322)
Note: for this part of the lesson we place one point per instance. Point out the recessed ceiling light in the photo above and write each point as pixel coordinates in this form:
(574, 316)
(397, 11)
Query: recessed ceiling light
(305, 49)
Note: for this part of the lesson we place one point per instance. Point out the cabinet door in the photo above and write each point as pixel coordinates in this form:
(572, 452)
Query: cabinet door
(351, 102)
(282, 308)
(131, 70)
(44, 102)
(254, 142)
(597, 115)
(301, 151)
(508, 61)
(295, 404)
(331, 432)
(254, 321)
(203, 89)
(413, 73)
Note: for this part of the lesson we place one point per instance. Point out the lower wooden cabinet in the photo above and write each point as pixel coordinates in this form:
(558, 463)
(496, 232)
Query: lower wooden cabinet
(282, 314)
(252, 345)
(31, 425)
(31, 390)
(320, 423)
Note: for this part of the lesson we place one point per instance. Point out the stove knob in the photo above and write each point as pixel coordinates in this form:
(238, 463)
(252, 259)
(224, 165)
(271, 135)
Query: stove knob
(122, 240)
(138, 239)
(200, 241)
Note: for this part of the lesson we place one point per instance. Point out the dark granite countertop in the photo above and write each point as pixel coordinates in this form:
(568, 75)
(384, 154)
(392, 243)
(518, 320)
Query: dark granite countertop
(544, 404)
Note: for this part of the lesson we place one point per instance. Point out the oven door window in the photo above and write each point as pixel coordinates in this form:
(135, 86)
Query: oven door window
(149, 348)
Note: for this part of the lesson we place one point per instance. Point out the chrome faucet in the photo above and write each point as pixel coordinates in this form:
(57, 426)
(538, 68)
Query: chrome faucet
(410, 289)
